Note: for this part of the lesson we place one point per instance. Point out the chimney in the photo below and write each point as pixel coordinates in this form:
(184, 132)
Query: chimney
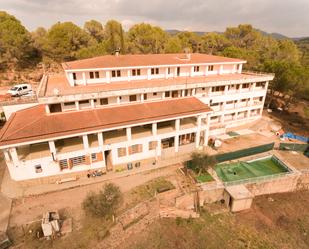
(117, 52)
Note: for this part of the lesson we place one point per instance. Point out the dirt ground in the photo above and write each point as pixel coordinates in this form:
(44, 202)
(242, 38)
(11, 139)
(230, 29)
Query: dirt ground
(279, 221)
(28, 209)
(293, 120)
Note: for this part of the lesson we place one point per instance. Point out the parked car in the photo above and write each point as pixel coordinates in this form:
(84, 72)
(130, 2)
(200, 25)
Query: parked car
(19, 90)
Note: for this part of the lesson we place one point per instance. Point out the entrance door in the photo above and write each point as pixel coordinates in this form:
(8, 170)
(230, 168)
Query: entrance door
(108, 160)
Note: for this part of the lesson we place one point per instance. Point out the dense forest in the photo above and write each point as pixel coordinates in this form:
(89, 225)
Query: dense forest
(21, 49)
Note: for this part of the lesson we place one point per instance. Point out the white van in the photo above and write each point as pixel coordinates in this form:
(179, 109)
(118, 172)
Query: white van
(19, 90)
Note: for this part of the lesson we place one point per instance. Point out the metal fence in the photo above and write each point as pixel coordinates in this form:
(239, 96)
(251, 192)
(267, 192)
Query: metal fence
(256, 179)
(245, 152)
(293, 147)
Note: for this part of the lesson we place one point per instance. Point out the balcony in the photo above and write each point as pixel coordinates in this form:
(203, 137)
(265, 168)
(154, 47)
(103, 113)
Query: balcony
(141, 131)
(69, 145)
(33, 151)
(166, 127)
(188, 123)
(116, 136)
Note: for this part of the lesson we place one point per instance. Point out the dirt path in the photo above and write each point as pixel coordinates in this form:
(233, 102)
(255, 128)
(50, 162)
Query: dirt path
(29, 209)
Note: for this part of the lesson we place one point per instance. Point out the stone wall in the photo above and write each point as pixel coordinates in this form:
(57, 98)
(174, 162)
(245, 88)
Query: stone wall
(283, 184)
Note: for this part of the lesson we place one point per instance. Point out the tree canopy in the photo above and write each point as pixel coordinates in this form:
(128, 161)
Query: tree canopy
(66, 41)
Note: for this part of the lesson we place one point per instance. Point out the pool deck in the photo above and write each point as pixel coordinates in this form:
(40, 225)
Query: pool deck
(296, 159)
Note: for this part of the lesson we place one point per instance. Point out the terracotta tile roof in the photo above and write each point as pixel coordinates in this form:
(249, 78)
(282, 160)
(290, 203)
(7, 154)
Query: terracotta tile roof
(61, 83)
(130, 60)
(34, 124)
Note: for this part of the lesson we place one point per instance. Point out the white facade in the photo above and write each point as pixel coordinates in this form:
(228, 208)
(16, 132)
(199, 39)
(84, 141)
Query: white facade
(234, 102)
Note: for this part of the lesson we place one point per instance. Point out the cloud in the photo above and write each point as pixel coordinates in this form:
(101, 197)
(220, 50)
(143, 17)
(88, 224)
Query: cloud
(284, 16)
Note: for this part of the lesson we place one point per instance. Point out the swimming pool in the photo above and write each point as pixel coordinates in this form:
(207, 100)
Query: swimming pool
(242, 171)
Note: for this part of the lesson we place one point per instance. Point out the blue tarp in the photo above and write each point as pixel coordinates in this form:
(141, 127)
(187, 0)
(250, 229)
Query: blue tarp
(293, 136)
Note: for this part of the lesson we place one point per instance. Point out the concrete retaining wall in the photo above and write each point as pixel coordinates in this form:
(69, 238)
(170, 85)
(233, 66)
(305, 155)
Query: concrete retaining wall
(211, 195)
(278, 185)
(303, 181)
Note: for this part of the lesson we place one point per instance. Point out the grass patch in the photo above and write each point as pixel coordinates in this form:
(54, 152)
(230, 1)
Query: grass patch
(306, 111)
(146, 191)
(205, 177)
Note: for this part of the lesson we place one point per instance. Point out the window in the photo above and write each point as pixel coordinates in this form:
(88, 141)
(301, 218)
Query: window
(154, 70)
(91, 74)
(94, 157)
(203, 88)
(187, 139)
(122, 152)
(82, 102)
(69, 104)
(136, 72)
(145, 96)
(38, 168)
(55, 108)
(168, 70)
(104, 101)
(63, 164)
(154, 94)
(196, 68)
(178, 71)
(116, 73)
(152, 145)
(218, 88)
(75, 161)
(167, 94)
(244, 100)
(247, 85)
(260, 84)
(214, 104)
(74, 76)
(136, 148)
(132, 98)
(96, 74)
(210, 68)
(167, 142)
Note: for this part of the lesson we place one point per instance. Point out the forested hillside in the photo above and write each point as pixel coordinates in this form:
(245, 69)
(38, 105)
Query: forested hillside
(21, 49)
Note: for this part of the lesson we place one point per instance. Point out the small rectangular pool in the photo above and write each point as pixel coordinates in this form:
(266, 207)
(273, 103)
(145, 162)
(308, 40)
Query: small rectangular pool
(248, 170)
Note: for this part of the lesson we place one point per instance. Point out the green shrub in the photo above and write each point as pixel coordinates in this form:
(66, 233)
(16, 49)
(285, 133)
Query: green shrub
(104, 203)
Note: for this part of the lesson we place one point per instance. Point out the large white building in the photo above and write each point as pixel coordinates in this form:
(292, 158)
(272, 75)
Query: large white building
(119, 111)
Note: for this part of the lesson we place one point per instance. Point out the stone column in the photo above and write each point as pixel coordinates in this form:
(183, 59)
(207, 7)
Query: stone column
(77, 105)
(85, 142)
(92, 103)
(129, 133)
(206, 70)
(149, 74)
(129, 74)
(206, 137)
(14, 156)
(100, 139)
(198, 132)
(47, 110)
(239, 68)
(6, 156)
(154, 129)
(221, 69)
(166, 73)
(108, 76)
(84, 78)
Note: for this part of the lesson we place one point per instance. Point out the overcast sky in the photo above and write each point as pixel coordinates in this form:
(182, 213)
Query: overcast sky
(289, 17)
